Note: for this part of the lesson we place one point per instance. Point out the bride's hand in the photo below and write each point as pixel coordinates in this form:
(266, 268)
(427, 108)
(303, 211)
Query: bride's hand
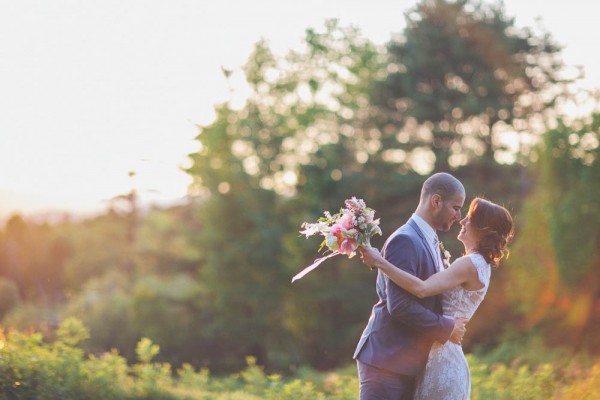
(370, 256)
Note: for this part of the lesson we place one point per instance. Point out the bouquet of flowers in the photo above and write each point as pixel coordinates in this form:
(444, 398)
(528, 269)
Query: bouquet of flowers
(343, 232)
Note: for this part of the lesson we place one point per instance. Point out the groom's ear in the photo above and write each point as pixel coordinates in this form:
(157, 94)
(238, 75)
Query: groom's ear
(436, 201)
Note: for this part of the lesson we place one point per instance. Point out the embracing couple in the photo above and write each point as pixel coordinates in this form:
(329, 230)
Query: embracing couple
(410, 348)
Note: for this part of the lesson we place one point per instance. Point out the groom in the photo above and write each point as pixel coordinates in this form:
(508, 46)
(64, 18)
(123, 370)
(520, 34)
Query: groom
(396, 342)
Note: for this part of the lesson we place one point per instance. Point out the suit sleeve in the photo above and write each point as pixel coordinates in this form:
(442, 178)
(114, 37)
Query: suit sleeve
(405, 307)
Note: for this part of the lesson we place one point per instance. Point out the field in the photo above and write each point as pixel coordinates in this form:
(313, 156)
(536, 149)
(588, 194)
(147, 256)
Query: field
(34, 367)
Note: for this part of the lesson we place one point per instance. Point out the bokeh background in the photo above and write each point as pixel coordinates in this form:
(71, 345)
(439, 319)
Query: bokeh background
(143, 198)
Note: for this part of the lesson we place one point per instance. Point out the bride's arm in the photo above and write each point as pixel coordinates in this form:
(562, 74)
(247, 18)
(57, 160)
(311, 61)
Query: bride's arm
(457, 274)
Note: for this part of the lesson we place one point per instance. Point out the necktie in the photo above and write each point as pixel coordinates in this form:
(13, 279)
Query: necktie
(436, 252)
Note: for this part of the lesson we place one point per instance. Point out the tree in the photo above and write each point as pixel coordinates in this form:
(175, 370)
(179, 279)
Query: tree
(462, 77)
(303, 142)
(33, 255)
(560, 238)
(239, 246)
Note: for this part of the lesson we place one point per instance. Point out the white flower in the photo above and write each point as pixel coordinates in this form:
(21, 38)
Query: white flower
(446, 255)
(331, 242)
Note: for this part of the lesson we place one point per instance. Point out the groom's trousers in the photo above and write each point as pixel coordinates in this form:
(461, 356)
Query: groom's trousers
(379, 384)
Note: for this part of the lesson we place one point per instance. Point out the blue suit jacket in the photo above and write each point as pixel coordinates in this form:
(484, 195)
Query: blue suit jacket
(402, 327)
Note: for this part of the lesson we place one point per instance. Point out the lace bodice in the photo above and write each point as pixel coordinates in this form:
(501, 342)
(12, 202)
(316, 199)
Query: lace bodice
(459, 302)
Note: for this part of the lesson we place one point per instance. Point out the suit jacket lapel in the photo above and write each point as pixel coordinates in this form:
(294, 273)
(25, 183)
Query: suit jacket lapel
(416, 228)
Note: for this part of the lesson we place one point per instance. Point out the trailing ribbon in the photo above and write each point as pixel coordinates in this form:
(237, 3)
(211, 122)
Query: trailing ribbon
(314, 265)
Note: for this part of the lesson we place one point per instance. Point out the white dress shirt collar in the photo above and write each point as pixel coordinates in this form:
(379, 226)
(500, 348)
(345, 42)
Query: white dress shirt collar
(427, 230)
(431, 238)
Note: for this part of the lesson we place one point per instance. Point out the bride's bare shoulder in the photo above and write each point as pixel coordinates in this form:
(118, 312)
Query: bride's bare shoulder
(463, 260)
(468, 270)
(464, 263)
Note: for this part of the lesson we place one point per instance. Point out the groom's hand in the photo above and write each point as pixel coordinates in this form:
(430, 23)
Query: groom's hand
(460, 327)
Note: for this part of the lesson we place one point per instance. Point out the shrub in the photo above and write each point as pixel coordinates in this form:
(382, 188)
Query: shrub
(34, 368)
(587, 387)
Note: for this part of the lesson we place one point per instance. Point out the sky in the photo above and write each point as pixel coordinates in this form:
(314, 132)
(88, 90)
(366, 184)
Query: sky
(91, 90)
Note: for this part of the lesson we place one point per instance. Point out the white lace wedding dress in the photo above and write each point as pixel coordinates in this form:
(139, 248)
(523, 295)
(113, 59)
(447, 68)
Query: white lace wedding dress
(447, 375)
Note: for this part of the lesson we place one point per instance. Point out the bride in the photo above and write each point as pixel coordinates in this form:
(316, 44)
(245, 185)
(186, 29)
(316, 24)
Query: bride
(485, 234)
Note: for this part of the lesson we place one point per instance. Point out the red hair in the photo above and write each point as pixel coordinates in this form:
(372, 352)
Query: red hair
(494, 225)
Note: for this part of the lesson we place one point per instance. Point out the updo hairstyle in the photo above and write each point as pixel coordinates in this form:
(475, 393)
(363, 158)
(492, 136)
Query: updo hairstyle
(495, 228)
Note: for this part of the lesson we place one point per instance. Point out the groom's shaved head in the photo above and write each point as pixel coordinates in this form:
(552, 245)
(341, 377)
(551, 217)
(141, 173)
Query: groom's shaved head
(442, 184)
(442, 197)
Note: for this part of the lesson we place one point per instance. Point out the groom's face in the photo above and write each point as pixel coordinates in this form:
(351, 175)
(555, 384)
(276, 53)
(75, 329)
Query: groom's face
(448, 212)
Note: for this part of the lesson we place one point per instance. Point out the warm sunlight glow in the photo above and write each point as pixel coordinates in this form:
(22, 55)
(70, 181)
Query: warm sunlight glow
(120, 86)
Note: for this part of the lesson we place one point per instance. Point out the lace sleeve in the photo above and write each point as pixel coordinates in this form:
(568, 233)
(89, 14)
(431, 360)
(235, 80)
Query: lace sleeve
(483, 268)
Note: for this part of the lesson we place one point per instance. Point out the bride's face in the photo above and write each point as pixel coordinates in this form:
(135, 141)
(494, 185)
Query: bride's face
(468, 233)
